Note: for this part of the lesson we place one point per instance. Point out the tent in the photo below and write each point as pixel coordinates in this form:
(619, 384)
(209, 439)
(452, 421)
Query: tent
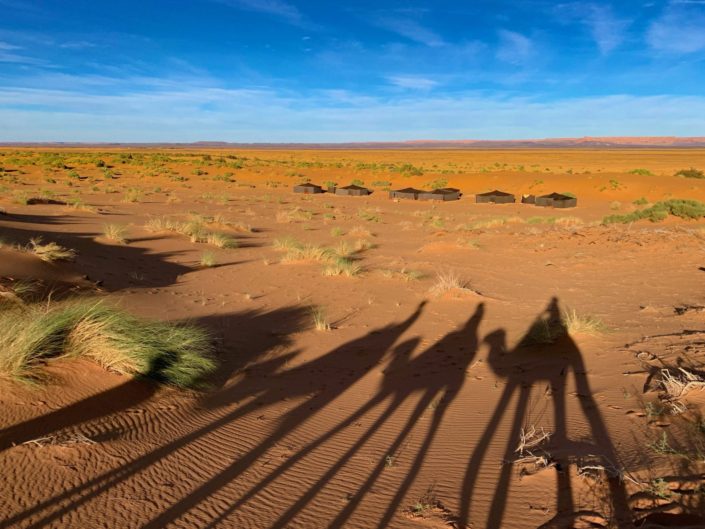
(308, 188)
(352, 191)
(556, 200)
(494, 197)
(444, 194)
(408, 193)
(528, 199)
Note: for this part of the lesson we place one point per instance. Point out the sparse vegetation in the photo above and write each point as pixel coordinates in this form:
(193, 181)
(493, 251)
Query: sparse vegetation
(31, 335)
(576, 323)
(685, 209)
(208, 260)
(50, 251)
(320, 322)
(691, 173)
(115, 233)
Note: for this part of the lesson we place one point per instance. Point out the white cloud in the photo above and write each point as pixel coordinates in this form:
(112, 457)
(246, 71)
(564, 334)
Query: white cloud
(412, 82)
(278, 8)
(680, 30)
(411, 29)
(607, 30)
(189, 112)
(514, 47)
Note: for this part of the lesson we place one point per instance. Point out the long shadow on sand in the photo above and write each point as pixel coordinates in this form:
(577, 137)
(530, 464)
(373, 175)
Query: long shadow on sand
(262, 381)
(525, 367)
(425, 383)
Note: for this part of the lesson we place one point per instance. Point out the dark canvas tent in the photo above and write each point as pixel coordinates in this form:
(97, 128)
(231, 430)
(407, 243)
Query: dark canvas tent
(352, 191)
(408, 193)
(528, 199)
(556, 200)
(494, 197)
(446, 193)
(308, 188)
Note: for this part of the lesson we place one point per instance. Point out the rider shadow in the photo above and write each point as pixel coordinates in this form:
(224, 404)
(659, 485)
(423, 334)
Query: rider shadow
(259, 382)
(545, 355)
(327, 377)
(438, 374)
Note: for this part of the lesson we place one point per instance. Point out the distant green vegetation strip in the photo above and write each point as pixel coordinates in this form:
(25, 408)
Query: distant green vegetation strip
(684, 209)
(176, 354)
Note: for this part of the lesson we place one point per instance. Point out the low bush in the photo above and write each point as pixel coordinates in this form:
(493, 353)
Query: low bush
(690, 173)
(684, 209)
(176, 354)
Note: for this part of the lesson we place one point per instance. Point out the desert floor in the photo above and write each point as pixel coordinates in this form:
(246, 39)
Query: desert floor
(409, 411)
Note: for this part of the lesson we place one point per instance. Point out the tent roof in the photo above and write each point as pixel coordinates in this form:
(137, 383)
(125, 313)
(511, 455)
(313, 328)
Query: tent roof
(444, 191)
(556, 196)
(354, 187)
(307, 184)
(407, 190)
(495, 193)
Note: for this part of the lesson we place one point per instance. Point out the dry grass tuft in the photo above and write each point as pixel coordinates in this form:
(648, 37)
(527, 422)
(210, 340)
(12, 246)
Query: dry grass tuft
(448, 282)
(320, 323)
(575, 323)
(50, 251)
(115, 232)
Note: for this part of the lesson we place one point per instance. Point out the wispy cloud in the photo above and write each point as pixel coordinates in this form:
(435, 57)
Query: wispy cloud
(184, 111)
(607, 29)
(279, 8)
(514, 47)
(412, 82)
(679, 30)
(411, 29)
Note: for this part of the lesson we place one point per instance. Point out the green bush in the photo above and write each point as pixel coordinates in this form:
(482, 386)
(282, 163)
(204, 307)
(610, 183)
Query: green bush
(684, 209)
(176, 354)
(641, 172)
(690, 173)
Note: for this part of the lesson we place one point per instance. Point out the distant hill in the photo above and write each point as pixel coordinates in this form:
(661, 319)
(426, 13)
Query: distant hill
(626, 142)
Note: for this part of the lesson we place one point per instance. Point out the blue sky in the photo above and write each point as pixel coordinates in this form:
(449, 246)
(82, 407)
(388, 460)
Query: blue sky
(322, 71)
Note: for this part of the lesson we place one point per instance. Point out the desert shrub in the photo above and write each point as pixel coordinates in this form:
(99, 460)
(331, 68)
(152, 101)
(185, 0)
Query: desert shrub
(357, 182)
(641, 172)
(50, 251)
(320, 322)
(640, 201)
(576, 323)
(439, 183)
(684, 209)
(447, 282)
(342, 266)
(115, 232)
(690, 173)
(208, 259)
(176, 354)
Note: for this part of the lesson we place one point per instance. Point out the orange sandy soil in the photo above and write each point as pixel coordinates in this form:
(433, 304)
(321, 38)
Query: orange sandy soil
(409, 411)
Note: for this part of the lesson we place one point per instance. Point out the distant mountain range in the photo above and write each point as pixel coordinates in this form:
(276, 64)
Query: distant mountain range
(626, 142)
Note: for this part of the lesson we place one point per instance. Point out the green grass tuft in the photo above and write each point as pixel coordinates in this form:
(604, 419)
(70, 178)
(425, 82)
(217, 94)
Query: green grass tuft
(175, 354)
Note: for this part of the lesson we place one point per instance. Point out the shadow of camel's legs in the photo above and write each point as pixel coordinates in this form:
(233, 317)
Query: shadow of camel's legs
(618, 494)
(297, 507)
(564, 490)
(280, 470)
(416, 465)
(478, 455)
(98, 485)
(499, 502)
(424, 402)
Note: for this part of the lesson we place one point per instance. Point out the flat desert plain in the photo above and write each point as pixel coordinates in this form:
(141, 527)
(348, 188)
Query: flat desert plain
(380, 363)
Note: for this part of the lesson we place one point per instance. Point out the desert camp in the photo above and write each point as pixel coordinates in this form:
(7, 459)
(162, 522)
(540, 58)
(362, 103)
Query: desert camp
(275, 264)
